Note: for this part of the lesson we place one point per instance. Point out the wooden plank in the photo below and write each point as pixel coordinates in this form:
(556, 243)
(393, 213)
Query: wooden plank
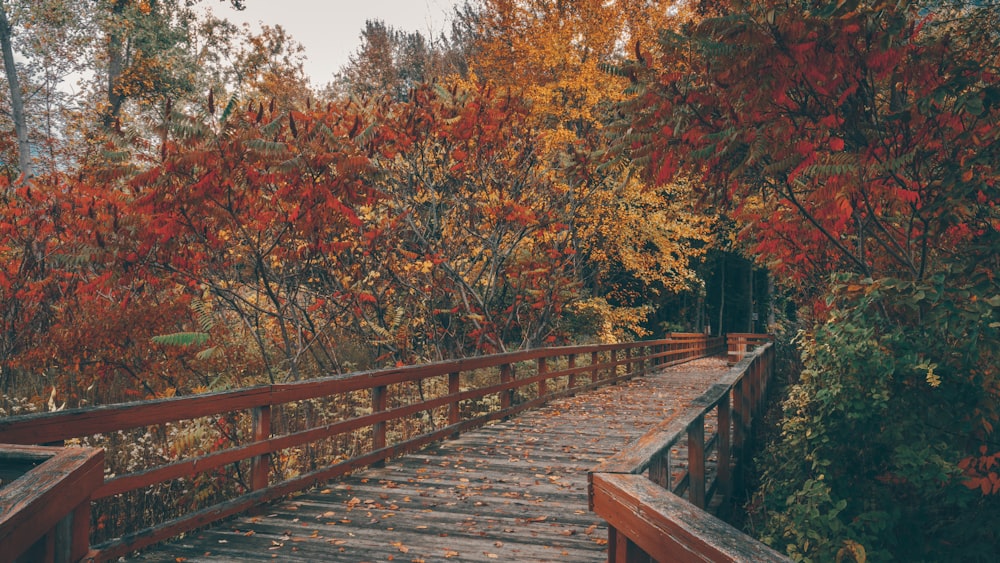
(53, 427)
(724, 432)
(499, 477)
(379, 404)
(696, 461)
(667, 433)
(542, 376)
(34, 504)
(454, 415)
(260, 468)
(571, 368)
(670, 529)
(75, 423)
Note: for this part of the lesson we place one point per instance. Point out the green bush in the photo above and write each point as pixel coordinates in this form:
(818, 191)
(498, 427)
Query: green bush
(900, 386)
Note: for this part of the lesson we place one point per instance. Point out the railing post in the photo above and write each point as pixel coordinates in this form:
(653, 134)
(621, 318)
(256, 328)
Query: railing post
(543, 387)
(571, 365)
(595, 358)
(79, 539)
(659, 470)
(453, 413)
(623, 550)
(379, 403)
(613, 360)
(505, 395)
(746, 414)
(723, 472)
(696, 462)
(260, 466)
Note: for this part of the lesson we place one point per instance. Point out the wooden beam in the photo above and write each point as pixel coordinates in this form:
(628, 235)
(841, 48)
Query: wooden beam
(668, 528)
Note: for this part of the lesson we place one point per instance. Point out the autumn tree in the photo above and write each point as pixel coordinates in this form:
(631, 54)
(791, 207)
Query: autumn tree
(861, 141)
(392, 62)
(483, 259)
(632, 242)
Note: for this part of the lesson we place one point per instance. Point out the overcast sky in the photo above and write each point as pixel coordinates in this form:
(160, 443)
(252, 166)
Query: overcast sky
(329, 29)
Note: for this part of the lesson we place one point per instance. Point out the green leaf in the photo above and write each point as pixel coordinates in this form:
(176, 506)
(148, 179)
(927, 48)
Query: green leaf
(182, 339)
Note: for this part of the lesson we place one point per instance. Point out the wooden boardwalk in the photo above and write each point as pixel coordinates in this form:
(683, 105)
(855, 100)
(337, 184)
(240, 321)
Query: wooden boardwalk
(512, 491)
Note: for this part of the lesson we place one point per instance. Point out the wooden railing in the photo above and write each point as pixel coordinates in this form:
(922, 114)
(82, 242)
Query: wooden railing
(741, 343)
(45, 502)
(638, 491)
(608, 364)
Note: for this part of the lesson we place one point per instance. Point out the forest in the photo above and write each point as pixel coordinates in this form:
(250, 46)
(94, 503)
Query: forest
(182, 210)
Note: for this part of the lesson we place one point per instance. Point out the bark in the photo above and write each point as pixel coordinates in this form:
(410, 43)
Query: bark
(116, 65)
(16, 100)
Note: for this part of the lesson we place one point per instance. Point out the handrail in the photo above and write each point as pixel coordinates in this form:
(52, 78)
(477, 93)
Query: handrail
(636, 490)
(45, 512)
(609, 363)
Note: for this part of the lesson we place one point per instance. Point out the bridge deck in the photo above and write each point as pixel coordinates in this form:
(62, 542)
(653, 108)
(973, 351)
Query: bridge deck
(512, 491)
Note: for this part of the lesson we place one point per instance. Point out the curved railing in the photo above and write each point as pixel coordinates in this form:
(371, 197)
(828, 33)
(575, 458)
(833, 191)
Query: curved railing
(639, 491)
(535, 376)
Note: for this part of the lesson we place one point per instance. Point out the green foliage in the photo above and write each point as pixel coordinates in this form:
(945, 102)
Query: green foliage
(182, 338)
(900, 387)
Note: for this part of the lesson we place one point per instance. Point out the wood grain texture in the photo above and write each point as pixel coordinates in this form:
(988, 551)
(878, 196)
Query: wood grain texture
(511, 491)
(695, 535)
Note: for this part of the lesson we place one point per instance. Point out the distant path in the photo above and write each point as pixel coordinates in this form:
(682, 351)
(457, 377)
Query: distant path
(513, 491)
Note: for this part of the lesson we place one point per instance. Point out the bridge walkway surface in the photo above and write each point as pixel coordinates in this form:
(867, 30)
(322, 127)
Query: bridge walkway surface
(511, 491)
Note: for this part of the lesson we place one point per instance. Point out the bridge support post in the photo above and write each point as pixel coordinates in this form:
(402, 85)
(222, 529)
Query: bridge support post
(723, 472)
(260, 466)
(696, 462)
(571, 365)
(595, 359)
(506, 394)
(659, 470)
(379, 404)
(543, 388)
(623, 550)
(453, 413)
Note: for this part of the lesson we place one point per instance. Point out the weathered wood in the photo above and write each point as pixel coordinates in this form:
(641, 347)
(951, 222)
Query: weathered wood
(632, 515)
(506, 376)
(74, 423)
(696, 461)
(670, 529)
(520, 483)
(260, 467)
(571, 368)
(543, 377)
(259, 400)
(38, 508)
(659, 469)
(724, 433)
(379, 404)
(454, 414)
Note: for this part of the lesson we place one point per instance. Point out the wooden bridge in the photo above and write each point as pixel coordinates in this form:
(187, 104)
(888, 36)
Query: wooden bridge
(597, 453)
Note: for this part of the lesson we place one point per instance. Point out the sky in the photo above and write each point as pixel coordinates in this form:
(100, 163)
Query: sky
(329, 29)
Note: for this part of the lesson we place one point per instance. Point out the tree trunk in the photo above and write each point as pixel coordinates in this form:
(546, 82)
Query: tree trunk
(116, 65)
(16, 101)
(722, 294)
